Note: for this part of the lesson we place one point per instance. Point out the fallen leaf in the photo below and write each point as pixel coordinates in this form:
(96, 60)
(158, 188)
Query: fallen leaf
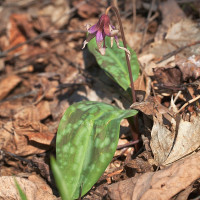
(32, 190)
(43, 109)
(176, 14)
(87, 10)
(168, 76)
(170, 145)
(159, 185)
(26, 135)
(189, 67)
(7, 84)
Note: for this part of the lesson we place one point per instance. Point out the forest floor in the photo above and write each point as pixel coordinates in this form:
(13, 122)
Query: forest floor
(43, 70)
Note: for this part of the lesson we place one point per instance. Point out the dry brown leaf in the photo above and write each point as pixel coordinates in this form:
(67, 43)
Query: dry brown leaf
(176, 14)
(87, 10)
(26, 135)
(34, 189)
(168, 76)
(43, 109)
(8, 108)
(189, 67)
(183, 195)
(60, 10)
(7, 84)
(27, 113)
(183, 137)
(40, 137)
(160, 185)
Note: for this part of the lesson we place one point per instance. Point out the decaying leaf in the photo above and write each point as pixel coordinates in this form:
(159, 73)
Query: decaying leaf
(7, 84)
(170, 145)
(34, 189)
(190, 67)
(26, 135)
(159, 185)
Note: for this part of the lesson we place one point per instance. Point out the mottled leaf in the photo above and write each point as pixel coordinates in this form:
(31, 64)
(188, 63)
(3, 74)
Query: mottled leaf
(114, 62)
(87, 138)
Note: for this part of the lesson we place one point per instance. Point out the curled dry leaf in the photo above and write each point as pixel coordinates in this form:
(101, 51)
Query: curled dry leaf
(171, 137)
(160, 185)
(26, 135)
(170, 145)
(33, 189)
(189, 67)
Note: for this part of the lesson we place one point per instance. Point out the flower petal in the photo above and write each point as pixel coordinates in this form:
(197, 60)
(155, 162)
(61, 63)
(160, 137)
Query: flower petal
(114, 33)
(84, 44)
(106, 29)
(90, 36)
(102, 51)
(93, 29)
(99, 36)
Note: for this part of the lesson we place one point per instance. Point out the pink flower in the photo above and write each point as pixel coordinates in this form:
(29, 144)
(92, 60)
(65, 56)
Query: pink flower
(100, 30)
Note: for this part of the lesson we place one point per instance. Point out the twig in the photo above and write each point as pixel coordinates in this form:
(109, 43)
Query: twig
(189, 102)
(172, 53)
(130, 144)
(186, 1)
(147, 24)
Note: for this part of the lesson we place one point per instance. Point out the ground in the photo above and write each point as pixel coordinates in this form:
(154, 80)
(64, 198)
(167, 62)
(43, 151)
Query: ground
(43, 70)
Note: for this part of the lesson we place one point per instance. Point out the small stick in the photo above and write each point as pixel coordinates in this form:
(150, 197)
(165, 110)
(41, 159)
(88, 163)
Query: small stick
(189, 102)
(130, 144)
(173, 53)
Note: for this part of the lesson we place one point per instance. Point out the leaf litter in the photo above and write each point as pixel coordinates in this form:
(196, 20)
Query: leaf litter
(43, 71)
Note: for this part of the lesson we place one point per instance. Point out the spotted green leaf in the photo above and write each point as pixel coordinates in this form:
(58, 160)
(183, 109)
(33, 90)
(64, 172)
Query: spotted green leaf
(114, 62)
(86, 140)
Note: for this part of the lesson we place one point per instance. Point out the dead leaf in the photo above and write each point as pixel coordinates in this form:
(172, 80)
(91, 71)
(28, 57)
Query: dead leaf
(43, 109)
(60, 10)
(33, 189)
(26, 134)
(159, 185)
(7, 84)
(8, 108)
(176, 14)
(189, 67)
(27, 113)
(40, 137)
(185, 134)
(87, 10)
(168, 76)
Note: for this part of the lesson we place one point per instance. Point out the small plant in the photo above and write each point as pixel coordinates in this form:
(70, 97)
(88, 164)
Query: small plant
(88, 132)
(20, 191)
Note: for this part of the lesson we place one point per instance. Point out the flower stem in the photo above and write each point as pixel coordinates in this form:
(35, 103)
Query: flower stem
(124, 43)
(133, 122)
